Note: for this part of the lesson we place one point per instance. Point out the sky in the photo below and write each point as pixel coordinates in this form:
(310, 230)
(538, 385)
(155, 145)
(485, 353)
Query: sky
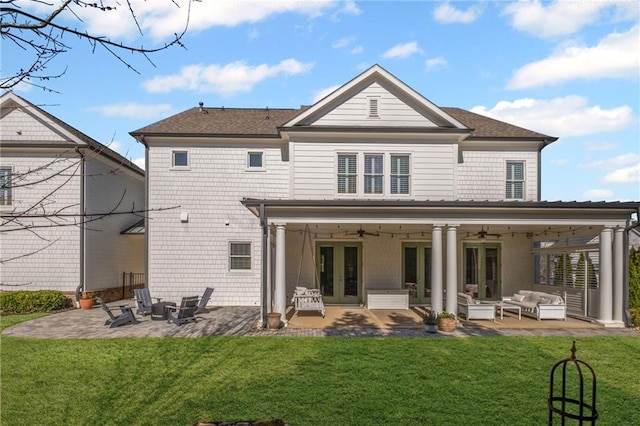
(568, 69)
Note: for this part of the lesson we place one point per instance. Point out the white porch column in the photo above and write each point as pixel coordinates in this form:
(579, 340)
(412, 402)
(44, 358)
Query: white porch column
(280, 291)
(436, 269)
(270, 303)
(451, 268)
(606, 288)
(618, 274)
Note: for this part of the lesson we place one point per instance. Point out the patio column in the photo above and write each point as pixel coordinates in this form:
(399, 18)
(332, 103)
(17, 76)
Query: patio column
(452, 277)
(606, 288)
(618, 274)
(436, 269)
(280, 291)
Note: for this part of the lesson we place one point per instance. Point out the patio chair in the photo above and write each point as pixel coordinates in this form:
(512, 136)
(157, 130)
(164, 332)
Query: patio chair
(186, 311)
(202, 304)
(125, 317)
(144, 301)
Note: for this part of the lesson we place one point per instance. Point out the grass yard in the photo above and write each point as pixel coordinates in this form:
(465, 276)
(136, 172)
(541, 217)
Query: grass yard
(306, 381)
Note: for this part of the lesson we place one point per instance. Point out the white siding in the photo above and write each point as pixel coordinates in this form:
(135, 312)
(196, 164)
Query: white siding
(184, 258)
(108, 253)
(18, 125)
(432, 168)
(57, 265)
(392, 111)
(482, 174)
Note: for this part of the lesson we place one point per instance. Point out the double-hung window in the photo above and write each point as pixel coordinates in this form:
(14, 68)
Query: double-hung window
(514, 189)
(400, 174)
(347, 173)
(5, 186)
(239, 256)
(373, 173)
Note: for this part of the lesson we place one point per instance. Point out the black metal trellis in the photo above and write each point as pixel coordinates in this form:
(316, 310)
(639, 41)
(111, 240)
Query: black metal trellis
(571, 403)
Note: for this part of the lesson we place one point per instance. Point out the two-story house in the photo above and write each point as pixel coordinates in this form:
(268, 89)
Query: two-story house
(65, 200)
(372, 188)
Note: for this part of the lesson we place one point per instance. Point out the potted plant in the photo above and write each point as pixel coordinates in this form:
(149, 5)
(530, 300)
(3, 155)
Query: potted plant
(430, 320)
(273, 320)
(446, 322)
(88, 299)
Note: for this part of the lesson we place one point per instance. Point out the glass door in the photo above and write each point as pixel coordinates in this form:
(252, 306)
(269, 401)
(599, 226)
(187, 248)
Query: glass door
(339, 268)
(482, 271)
(416, 271)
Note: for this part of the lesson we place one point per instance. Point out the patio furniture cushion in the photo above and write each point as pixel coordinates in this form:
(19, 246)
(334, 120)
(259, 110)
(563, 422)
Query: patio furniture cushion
(473, 309)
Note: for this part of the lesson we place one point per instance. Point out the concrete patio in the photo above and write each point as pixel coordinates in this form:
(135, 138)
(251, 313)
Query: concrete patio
(340, 321)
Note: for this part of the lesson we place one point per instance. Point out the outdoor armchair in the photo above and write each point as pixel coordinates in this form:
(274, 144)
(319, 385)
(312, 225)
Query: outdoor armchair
(144, 301)
(125, 317)
(186, 312)
(202, 304)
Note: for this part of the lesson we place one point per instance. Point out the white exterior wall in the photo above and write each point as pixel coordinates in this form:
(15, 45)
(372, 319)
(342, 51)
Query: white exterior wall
(184, 258)
(56, 267)
(482, 174)
(108, 253)
(432, 165)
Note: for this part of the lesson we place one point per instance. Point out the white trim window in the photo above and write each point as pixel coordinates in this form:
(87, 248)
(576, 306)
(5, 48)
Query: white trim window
(6, 198)
(400, 174)
(255, 160)
(180, 159)
(514, 185)
(347, 173)
(373, 173)
(239, 256)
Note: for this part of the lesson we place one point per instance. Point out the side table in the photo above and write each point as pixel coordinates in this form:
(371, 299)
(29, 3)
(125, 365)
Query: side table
(159, 311)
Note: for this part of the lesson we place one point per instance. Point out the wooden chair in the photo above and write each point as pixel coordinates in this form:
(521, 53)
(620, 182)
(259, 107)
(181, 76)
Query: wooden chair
(186, 312)
(202, 304)
(144, 301)
(125, 317)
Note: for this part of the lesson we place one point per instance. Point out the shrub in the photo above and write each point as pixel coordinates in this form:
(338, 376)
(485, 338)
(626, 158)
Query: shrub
(635, 317)
(23, 302)
(634, 278)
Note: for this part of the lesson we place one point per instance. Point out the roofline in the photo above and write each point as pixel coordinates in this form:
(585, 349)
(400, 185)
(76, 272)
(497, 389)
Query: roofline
(137, 134)
(367, 129)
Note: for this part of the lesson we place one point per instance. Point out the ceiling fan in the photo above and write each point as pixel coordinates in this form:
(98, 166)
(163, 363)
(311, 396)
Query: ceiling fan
(361, 233)
(482, 234)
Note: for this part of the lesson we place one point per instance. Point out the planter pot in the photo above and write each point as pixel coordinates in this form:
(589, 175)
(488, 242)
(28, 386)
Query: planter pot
(86, 303)
(431, 328)
(273, 320)
(447, 324)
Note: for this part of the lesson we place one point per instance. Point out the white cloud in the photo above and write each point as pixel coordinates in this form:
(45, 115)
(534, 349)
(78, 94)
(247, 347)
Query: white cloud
(321, 93)
(613, 163)
(447, 14)
(599, 146)
(343, 42)
(566, 116)
(349, 7)
(560, 161)
(253, 34)
(553, 19)
(356, 50)
(139, 162)
(615, 56)
(598, 194)
(133, 110)
(625, 175)
(435, 63)
(225, 80)
(402, 50)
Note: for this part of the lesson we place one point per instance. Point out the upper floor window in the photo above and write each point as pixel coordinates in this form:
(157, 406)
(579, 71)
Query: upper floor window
(255, 160)
(5, 186)
(179, 159)
(347, 173)
(400, 174)
(373, 173)
(515, 180)
(239, 256)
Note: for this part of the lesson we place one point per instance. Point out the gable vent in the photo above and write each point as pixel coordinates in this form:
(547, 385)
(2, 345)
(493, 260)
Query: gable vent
(373, 108)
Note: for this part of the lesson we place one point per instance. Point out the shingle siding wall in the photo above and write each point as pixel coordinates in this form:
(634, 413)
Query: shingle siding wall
(109, 254)
(57, 266)
(184, 258)
(482, 174)
(18, 125)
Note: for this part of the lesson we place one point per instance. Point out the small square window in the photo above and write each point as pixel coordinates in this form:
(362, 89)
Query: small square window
(255, 160)
(180, 159)
(239, 256)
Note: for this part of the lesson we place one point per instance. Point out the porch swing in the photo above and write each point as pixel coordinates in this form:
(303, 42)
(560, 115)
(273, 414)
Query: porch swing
(307, 299)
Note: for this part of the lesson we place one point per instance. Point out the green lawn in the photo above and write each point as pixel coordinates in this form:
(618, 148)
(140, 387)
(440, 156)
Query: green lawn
(306, 381)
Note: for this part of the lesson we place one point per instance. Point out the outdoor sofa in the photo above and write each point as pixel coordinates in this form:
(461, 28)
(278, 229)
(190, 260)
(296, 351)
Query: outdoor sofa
(539, 304)
(473, 309)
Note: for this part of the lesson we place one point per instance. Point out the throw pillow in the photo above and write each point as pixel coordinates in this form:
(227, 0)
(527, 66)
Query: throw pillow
(518, 297)
(544, 300)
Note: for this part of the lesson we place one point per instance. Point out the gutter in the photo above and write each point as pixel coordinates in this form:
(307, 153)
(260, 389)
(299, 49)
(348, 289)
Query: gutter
(265, 281)
(545, 142)
(625, 268)
(81, 284)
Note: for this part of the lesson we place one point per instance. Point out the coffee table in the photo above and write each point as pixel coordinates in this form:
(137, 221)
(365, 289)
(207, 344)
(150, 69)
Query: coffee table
(160, 310)
(502, 306)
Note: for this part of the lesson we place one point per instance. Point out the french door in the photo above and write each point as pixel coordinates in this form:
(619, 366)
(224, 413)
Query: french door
(482, 270)
(340, 271)
(416, 271)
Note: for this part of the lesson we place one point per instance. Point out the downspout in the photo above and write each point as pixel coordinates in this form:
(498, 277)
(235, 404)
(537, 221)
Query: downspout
(539, 174)
(625, 266)
(146, 215)
(81, 284)
(265, 282)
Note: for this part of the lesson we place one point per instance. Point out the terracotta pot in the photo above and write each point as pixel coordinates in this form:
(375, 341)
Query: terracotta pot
(447, 324)
(86, 303)
(273, 320)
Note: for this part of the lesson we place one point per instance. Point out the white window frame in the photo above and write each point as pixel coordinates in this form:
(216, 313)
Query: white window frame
(408, 175)
(238, 256)
(511, 183)
(373, 174)
(7, 190)
(251, 168)
(173, 159)
(347, 175)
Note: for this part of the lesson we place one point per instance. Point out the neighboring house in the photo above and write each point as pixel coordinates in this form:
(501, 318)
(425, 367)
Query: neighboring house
(64, 204)
(372, 188)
